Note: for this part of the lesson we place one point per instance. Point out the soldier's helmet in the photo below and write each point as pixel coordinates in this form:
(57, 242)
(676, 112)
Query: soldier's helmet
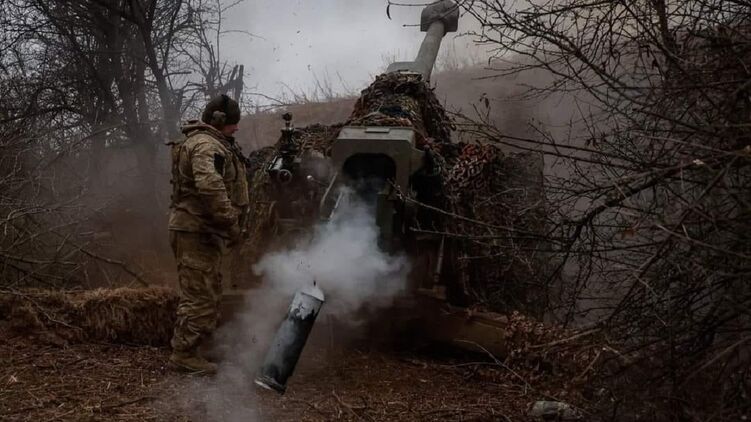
(220, 111)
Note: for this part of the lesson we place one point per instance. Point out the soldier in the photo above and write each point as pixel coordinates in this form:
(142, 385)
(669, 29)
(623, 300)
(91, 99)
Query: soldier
(208, 213)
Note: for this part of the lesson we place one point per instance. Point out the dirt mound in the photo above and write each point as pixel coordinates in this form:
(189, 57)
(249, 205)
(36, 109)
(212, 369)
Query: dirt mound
(125, 316)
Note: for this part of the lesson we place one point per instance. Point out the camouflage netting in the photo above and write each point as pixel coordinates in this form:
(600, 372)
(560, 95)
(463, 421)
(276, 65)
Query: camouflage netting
(399, 99)
(311, 139)
(499, 262)
(261, 206)
(479, 182)
(126, 316)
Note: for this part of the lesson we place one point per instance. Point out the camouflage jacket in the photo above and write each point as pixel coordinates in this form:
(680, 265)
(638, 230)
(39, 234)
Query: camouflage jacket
(209, 183)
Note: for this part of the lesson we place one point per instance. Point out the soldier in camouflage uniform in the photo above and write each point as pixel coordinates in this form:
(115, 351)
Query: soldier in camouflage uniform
(207, 215)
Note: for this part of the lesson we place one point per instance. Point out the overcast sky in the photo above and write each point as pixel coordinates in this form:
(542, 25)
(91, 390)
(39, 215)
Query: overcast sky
(338, 40)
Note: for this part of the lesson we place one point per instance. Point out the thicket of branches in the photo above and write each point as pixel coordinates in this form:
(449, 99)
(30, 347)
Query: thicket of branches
(89, 92)
(649, 192)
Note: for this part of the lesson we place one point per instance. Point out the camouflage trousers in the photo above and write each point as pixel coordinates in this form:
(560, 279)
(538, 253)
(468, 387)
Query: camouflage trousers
(198, 257)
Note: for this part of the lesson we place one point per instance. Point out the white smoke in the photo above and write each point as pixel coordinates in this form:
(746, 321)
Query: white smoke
(343, 258)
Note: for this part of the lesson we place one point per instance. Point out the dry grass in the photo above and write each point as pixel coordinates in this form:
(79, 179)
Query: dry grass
(85, 382)
(81, 379)
(125, 316)
(79, 382)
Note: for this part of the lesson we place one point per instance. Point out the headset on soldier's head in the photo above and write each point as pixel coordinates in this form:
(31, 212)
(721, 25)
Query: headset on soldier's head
(218, 118)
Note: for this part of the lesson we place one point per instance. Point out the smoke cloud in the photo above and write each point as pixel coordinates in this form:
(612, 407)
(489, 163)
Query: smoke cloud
(343, 258)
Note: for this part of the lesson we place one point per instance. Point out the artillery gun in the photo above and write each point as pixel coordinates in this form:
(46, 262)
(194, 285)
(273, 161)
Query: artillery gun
(381, 161)
(392, 154)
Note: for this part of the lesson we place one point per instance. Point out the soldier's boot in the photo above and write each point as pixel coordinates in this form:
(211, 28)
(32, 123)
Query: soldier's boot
(192, 363)
(214, 352)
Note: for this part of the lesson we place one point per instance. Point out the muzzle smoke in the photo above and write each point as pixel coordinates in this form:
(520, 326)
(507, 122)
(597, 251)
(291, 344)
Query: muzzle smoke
(343, 258)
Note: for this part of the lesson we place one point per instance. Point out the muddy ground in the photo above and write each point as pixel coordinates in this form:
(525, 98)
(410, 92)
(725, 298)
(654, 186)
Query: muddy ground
(42, 380)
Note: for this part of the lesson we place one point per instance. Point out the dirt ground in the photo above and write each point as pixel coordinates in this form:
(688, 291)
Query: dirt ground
(42, 381)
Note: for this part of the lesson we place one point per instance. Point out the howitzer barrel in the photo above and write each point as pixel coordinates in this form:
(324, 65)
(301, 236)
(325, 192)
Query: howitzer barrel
(436, 20)
(429, 49)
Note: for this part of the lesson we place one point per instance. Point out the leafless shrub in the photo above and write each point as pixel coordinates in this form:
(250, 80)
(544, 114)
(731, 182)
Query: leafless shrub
(648, 191)
(89, 93)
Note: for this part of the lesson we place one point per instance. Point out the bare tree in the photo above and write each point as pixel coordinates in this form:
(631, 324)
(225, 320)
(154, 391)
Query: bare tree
(91, 91)
(649, 191)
